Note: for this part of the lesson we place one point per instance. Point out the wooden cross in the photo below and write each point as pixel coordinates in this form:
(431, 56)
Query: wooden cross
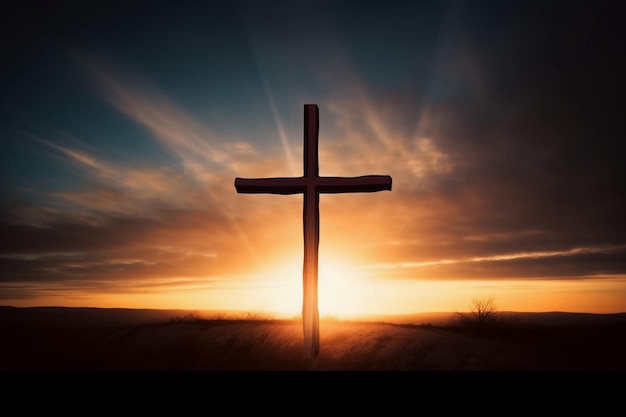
(311, 185)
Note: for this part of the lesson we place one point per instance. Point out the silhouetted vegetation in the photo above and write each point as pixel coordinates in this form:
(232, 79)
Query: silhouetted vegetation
(258, 316)
(483, 317)
(187, 318)
(194, 317)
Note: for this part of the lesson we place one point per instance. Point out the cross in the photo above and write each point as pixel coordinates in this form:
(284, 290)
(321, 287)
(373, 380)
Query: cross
(311, 185)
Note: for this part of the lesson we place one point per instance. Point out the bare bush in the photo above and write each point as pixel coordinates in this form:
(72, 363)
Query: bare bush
(483, 315)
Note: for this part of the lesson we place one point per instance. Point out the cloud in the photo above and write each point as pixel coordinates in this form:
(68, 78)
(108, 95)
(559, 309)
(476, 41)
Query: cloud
(580, 262)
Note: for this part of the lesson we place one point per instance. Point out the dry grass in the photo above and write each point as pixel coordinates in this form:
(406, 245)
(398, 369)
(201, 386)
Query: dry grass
(190, 342)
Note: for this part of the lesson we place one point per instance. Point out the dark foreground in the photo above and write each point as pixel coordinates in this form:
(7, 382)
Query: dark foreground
(225, 345)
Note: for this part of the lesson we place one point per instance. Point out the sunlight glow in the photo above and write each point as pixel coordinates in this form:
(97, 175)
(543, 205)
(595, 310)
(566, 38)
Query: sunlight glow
(346, 291)
(341, 287)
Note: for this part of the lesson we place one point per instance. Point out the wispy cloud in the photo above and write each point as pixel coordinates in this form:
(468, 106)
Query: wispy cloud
(609, 250)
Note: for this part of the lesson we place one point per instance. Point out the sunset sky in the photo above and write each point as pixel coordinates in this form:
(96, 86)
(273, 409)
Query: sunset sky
(124, 124)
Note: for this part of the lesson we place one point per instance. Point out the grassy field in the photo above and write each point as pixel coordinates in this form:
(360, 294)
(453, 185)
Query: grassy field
(109, 340)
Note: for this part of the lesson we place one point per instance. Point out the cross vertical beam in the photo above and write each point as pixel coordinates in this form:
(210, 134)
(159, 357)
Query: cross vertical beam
(311, 185)
(311, 222)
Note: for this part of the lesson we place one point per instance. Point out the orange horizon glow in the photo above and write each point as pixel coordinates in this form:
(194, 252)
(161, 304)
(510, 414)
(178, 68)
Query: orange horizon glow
(344, 296)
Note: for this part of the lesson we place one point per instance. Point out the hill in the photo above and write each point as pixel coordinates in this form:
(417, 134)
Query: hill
(118, 339)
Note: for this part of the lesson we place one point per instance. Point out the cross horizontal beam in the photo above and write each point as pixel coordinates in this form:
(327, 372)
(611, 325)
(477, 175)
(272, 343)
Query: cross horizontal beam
(326, 185)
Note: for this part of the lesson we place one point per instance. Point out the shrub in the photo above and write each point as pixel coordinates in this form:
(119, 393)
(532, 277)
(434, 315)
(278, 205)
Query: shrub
(483, 315)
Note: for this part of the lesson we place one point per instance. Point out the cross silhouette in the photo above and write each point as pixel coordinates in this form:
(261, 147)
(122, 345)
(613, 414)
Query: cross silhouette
(311, 185)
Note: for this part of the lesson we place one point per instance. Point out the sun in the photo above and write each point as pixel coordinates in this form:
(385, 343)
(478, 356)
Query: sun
(339, 288)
